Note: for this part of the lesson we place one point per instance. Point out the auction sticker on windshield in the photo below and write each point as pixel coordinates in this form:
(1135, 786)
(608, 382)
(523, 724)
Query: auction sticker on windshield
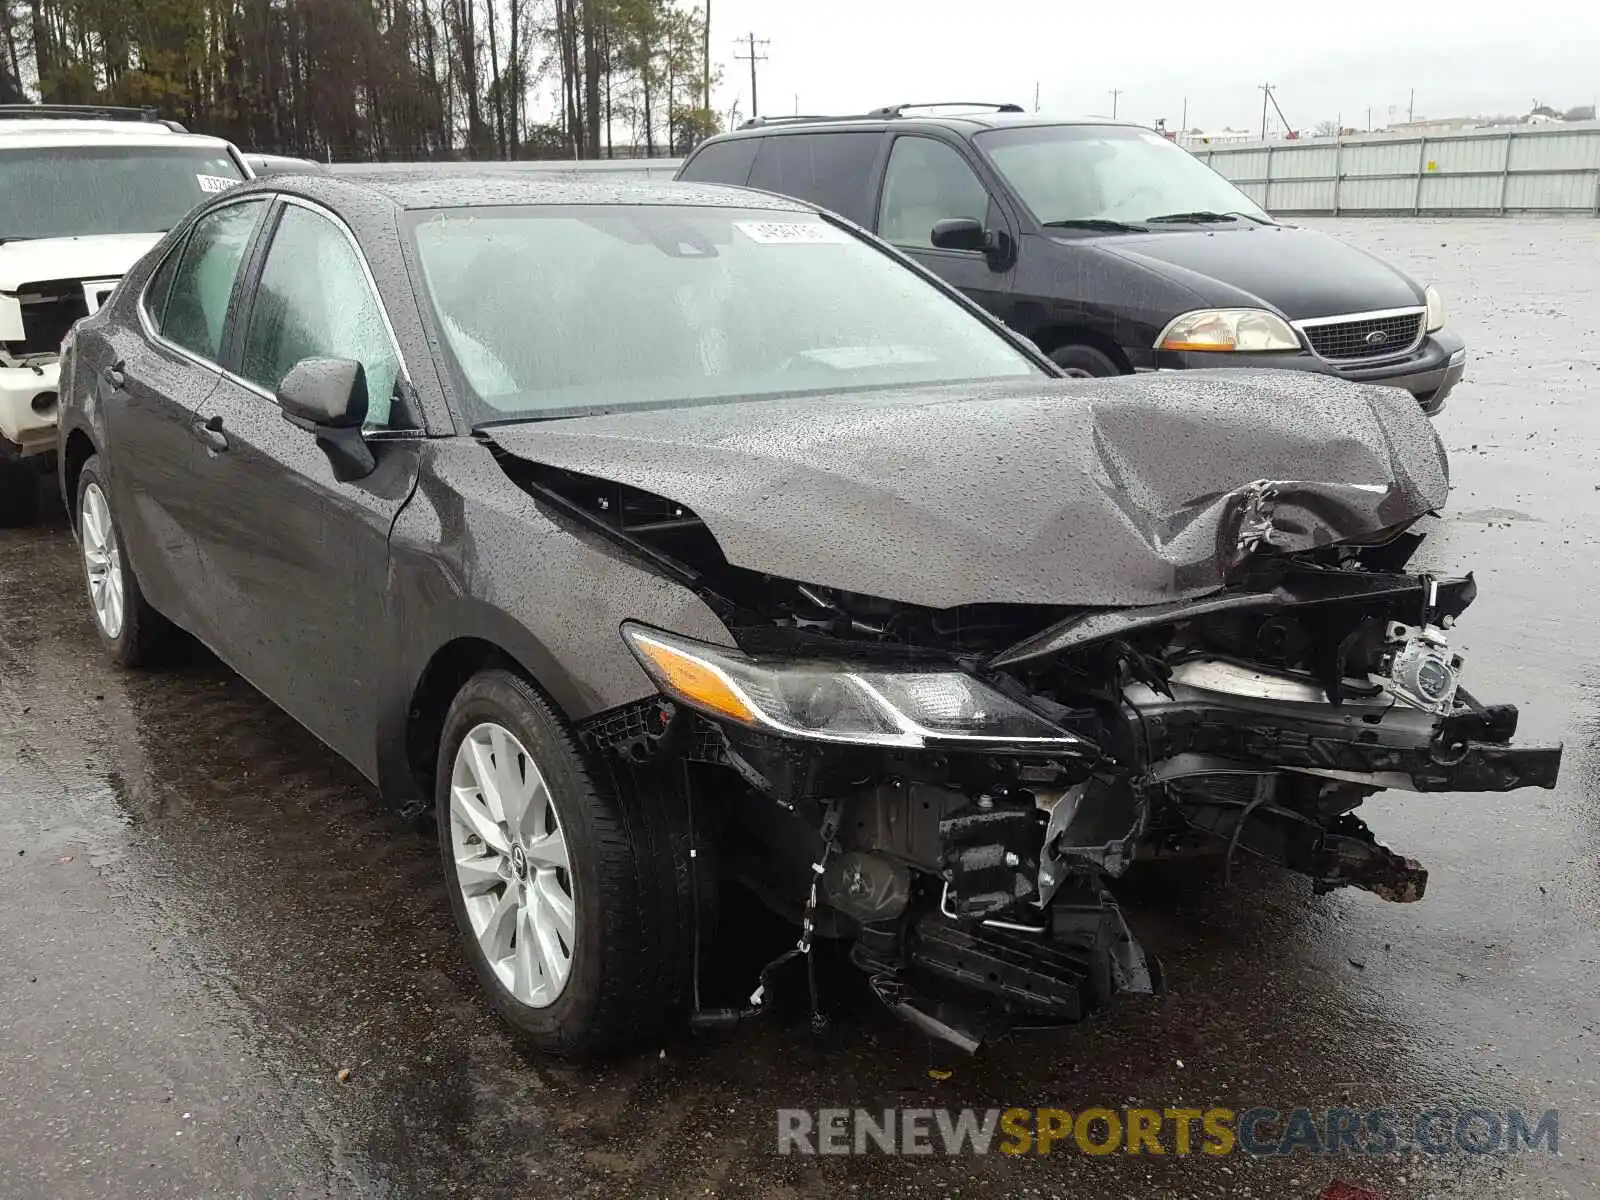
(215, 183)
(793, 233)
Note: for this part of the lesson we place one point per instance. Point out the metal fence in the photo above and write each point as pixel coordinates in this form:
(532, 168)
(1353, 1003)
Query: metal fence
(1547, 168)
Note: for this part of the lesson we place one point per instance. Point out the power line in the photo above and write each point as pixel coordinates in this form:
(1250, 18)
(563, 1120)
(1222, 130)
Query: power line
(752, 55)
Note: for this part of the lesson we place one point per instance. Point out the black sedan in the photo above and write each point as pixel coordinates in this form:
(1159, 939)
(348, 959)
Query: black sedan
(659, 537)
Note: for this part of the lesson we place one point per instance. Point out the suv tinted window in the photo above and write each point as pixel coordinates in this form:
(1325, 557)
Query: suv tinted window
(927, 181)
(830, 169)
(313, 301)
(722, 162)
(197, 306)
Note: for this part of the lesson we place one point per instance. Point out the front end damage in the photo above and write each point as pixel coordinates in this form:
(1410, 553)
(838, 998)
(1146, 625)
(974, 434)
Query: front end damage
(956, 789)
(973, 873)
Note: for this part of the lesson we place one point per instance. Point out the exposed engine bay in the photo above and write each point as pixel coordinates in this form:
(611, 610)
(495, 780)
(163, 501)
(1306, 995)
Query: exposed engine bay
(956, 788)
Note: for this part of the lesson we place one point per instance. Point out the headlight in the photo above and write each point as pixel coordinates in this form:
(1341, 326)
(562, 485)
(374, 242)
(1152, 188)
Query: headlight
(1435, 309)
(838, 701)
(1229, 329)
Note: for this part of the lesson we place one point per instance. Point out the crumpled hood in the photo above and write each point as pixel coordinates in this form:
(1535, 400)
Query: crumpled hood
(107, 256)
(1126, 491)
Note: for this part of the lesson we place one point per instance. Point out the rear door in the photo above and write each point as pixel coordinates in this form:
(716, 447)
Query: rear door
(163, 368)
(296, 560)
(927, 180)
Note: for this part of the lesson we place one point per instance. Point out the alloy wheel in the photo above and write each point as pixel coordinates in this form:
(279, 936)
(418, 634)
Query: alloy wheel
(511, 864)
(102, 561)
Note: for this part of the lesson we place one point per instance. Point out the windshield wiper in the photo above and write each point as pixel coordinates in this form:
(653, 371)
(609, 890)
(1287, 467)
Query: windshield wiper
(1095, 223)
(1202, 217)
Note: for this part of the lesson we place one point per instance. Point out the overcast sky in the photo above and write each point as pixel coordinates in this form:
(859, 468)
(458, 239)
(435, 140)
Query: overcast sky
(1327, 60)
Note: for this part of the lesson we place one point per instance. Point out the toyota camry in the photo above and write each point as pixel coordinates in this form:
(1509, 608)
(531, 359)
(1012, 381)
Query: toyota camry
(658, 536)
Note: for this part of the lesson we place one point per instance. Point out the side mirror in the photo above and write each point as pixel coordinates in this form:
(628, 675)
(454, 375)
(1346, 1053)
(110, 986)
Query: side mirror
(960, 233)
(328, 396)
(330, 392)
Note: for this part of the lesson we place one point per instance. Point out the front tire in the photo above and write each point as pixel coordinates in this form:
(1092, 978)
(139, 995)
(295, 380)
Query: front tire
(1084, 362)
(131, 631)
(572, 893)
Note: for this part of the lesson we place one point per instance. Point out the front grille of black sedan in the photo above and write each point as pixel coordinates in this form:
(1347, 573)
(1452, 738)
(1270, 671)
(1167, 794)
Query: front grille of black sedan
(1362, 338)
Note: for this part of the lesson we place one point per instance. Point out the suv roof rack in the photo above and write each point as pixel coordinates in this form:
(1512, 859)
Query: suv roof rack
(102, 112)
(759, 122)
(887, 112)
(898, 110)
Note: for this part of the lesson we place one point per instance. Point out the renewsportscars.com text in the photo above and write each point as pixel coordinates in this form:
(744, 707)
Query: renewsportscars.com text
(1164, 1131)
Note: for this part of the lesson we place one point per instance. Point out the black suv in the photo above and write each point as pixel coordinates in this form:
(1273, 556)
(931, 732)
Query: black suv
(1110, 246)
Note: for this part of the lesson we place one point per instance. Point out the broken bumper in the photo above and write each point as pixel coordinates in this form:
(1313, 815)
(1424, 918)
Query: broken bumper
(28, 407)
(1386, 746)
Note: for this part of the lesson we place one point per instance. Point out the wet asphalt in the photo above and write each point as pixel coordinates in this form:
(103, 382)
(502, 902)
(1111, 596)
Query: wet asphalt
(206, 917)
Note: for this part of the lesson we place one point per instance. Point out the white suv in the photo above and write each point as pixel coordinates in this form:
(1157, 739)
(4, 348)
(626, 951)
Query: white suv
(86, 192)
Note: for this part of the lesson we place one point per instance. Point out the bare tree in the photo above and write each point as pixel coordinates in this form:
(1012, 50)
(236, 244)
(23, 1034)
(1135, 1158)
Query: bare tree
(363, 78)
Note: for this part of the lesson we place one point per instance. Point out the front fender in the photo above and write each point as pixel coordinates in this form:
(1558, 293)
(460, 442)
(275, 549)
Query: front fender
(473, 556)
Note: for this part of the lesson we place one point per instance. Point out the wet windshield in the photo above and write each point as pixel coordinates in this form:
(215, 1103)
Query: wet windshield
(80, 191)
(1110, 173)
(566, 311)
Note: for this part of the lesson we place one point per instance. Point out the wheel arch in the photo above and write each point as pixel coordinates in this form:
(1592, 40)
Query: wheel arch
(78, 449)
(409, 755)
(1051, 338)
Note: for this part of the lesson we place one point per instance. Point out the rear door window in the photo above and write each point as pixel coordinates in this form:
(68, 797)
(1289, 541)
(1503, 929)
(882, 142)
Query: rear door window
(196, 311)
(722, 162)
(160, 287)
(833, 170)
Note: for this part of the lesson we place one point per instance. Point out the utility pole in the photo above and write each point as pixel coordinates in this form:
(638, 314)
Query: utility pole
(1115, 92)
(705, 64)
(1184, 124)
(1036, 95)
(1266, 95)
(752, 55)
(1411, 107)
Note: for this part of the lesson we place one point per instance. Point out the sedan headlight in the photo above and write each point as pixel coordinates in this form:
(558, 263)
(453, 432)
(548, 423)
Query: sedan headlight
(1229, 329)
(1435, 309)
(828, 701)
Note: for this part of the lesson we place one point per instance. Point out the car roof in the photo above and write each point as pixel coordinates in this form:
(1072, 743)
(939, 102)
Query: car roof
(483, 186)
(85, 132)
(286, 161)
(968, 123)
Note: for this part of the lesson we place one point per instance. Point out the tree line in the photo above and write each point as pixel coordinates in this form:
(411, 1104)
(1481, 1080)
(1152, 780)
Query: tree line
(374, 80)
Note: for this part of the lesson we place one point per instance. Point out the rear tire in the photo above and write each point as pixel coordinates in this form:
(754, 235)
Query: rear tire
(132, 632)
(20, 488)
(1084, 362)
(619, 971)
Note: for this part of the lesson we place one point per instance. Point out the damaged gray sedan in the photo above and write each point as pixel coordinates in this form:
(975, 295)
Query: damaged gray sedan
(657, 536)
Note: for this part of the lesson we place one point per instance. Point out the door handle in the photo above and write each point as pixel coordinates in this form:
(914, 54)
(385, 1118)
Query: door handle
(210, 432)
(114, 376)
